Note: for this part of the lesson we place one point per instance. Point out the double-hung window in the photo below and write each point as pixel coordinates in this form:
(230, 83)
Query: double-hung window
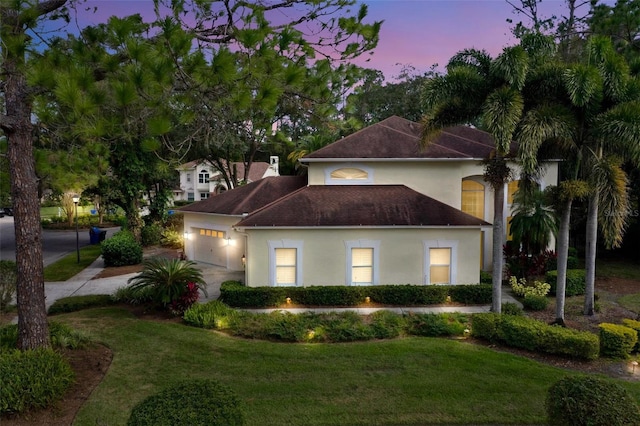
(440, 261)
(363, 262)
(285, 263)
(203, 176)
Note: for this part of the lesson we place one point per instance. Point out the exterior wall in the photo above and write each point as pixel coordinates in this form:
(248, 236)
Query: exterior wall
(401, 254)
(441, 180)
(234, 247)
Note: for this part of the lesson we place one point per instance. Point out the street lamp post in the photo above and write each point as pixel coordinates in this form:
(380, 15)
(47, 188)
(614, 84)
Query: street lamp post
(76, 199)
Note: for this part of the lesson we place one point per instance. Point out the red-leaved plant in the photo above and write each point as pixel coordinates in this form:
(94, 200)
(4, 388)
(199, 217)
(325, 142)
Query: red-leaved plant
(184, 302)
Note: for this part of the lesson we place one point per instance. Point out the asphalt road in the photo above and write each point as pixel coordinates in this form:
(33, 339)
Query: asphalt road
(55, 244)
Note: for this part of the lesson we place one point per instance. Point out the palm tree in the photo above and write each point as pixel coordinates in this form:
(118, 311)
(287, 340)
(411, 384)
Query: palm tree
(593, 108)
(533, 221)
(485, 91)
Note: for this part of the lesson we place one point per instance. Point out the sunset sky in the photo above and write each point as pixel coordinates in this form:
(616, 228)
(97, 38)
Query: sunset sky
(415, 32)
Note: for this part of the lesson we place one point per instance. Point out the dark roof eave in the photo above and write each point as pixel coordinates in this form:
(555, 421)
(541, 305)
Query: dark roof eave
(262, 227)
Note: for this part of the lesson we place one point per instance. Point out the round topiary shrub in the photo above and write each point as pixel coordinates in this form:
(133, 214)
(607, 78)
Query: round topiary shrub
(193, 402)
(583, 400)
(120, 250)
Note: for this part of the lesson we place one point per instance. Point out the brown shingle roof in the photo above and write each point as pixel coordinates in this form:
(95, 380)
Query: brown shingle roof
(397, 137)
(358, 205)
(248, 198)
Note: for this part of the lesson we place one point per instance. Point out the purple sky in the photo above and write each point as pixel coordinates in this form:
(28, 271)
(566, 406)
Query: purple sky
(415, 32)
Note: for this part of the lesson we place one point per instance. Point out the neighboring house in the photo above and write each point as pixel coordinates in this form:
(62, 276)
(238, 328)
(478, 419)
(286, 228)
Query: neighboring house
(376, 209)
(199, 179)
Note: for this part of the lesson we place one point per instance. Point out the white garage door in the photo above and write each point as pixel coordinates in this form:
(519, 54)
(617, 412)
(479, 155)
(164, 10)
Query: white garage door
(210, 246)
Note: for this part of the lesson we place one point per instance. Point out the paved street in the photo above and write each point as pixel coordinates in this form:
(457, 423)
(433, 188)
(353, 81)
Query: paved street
(55, 244)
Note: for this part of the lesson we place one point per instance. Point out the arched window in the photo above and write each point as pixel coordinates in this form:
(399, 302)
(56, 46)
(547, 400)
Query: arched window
(350, 173)
(203, 176)
(473, 198)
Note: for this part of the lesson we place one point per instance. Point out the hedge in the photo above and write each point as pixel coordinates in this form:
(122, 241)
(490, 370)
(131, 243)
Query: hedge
(77, 303)
(526, 333)
(617, 341)
(575, 282)
(237, 295)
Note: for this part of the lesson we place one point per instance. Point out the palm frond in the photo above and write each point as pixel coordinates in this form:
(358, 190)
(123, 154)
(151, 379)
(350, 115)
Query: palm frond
(549, 122)
(501, 113)
(511, 66)
(613, 207)
(619, 130)
(479, 59)
(584, 84)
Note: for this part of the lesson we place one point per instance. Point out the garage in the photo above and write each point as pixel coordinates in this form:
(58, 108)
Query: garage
(210, 246)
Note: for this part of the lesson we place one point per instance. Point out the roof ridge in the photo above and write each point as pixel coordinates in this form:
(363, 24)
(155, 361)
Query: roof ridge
(278, 199)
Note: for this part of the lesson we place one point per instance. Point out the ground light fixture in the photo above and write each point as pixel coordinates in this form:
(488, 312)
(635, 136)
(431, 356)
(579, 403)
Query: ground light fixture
(76, 200)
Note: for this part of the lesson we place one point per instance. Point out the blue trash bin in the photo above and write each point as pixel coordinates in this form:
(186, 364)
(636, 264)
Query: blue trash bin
(94, 235)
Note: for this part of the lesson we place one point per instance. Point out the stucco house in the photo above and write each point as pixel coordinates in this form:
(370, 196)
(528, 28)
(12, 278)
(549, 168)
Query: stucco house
(374, 208)
(199, 179)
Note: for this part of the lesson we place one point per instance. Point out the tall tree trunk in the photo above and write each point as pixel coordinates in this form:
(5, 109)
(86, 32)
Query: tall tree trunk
(498, 243)
(33, 330)
(563, 255)
(590, 253)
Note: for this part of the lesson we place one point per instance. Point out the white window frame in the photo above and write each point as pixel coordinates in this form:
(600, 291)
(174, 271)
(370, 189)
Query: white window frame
(203, 176)
(191, 196)
(328, 180)
(450, 244)
(372, 244)
(275, 244)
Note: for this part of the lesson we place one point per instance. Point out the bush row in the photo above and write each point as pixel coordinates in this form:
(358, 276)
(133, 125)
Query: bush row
(526, 333)
(575, 282)
(235, 294)
(323, 327)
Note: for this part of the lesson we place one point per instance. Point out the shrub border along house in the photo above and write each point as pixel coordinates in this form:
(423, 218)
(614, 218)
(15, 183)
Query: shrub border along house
(237, 295)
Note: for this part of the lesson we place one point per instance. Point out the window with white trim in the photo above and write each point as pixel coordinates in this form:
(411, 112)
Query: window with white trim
(286, 266)
(203, 176)
(285, 263)
(473, 198)
(190, 196)
(441, 259)
(188, 177)
(204, 195)
(439, 265)
(361, 266)
(363, 260)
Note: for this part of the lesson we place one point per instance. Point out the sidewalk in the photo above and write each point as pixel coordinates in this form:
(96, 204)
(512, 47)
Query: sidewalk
(83, 284)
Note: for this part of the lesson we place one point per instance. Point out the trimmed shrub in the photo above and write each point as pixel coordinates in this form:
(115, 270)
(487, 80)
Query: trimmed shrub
(636, 326)
(133, 296)
(326, 295)
(345, 327)
(239, 296)
(8, 280)
(120, 250)
(193, 402)
(534, 302)
(575, 282)
(471, 294)
(486, 277)
(77, 303)
(435, 325)
(32, 379)
(407, 295)
(527, 333)
(387, 324)
(485, 326)
(522, 289)
(590, 401)
(617, 341)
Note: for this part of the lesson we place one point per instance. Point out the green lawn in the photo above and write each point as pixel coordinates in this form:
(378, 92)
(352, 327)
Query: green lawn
(68, 266)
(410, 381)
